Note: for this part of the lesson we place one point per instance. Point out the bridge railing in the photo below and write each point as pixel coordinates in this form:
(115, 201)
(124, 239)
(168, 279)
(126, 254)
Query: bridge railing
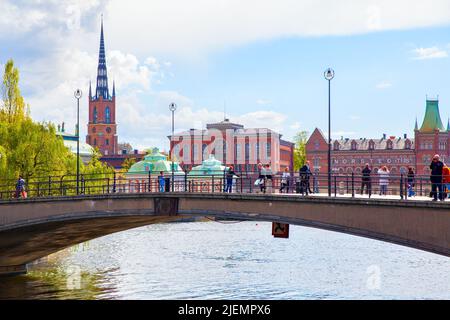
(348, 185)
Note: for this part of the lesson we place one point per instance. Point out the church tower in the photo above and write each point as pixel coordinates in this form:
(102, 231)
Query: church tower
(102, 127)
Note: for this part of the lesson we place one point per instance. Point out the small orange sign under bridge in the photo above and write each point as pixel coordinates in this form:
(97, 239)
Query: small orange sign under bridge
(280, 230)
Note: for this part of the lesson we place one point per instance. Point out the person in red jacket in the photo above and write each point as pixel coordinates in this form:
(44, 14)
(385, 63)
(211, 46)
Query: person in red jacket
(446, 179)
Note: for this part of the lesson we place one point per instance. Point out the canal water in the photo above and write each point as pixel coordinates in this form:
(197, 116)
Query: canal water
(211, 260)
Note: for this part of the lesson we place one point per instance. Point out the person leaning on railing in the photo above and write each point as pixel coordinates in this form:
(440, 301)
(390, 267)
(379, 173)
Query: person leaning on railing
(384, 180)
(437, 167)
(411, 182)
(366, 180)
(285, 180)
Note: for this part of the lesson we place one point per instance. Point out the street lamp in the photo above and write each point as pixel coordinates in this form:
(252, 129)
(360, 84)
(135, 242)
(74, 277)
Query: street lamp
(173, 108)
(329, 75)
(78, 94)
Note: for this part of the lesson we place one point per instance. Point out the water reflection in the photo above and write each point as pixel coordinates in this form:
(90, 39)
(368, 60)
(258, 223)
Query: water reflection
(240, 261)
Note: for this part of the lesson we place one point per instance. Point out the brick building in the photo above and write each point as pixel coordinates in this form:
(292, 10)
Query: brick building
(102, 125)
(397, 153)
(232, 144)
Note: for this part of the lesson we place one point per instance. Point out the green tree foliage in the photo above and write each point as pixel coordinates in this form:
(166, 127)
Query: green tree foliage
(34, 150)
(13, 107)
(128, 163)
(300, 149)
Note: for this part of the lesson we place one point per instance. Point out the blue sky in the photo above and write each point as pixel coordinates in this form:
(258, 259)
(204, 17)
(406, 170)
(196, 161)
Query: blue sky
(264, 60)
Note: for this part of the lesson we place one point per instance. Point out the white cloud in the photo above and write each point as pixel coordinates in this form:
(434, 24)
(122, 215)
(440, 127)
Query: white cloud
(354, 117)
(429, 53)
(263, 102)
(384, 85)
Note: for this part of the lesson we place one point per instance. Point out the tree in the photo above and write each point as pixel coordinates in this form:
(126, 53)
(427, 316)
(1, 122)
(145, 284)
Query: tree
(300, 141)
(13, 108)
(128, 163)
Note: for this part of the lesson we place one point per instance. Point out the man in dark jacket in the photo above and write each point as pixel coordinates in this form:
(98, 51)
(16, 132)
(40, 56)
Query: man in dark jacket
(366, 180)
(436, 167)
(305, 175)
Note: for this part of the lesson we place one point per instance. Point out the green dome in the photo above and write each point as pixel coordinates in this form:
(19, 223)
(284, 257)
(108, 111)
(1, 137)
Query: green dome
(212, 166)
(155, 163)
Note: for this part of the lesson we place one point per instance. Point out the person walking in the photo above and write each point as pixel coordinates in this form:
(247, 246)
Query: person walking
(305, 175)
(20, 188)
(411, 180)
(437, 167)
(446, 180)
(230, 175)
(162, 182)
(268, 178)
(384, 180)
(285, 181)
(366, 180)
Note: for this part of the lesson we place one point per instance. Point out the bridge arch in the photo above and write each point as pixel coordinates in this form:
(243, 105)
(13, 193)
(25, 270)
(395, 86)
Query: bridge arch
(35, 228)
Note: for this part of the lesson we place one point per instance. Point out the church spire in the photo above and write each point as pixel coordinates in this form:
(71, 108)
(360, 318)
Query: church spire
(90, 90)
(102, 74)
(114, 89)
(416, 128)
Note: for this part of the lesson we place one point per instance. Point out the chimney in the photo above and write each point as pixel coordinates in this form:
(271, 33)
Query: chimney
(384, 136)
(406, 136)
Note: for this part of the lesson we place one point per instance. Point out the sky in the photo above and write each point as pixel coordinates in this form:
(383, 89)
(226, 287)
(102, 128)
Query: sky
(260, 63)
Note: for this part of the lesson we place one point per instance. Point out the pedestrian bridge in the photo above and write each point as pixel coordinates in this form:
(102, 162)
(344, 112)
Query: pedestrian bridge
(34, 228)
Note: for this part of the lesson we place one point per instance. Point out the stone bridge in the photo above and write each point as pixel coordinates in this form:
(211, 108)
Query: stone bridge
(34, 228)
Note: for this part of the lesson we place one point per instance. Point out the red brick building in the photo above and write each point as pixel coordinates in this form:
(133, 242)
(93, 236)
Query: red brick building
(397, 153)
(232, 144)
(102, 127)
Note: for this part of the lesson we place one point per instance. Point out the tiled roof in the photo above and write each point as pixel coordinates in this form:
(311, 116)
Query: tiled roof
(378, 144)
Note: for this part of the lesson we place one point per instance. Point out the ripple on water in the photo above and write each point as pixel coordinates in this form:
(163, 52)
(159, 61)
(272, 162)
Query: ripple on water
(236, 261)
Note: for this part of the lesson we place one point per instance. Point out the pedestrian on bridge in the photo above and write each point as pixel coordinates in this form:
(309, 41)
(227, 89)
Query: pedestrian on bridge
(162, 182)
(384, 180)
(437, 167)
(366, 180)
(20, 188)
(411, 182)
(285, 180)
(230, 175)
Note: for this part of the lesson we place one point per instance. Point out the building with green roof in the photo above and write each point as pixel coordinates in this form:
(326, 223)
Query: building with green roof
(432, 121)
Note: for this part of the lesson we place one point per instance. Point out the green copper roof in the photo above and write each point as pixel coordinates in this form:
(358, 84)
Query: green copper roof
(432, 119)
(155, 163)
(210, 167)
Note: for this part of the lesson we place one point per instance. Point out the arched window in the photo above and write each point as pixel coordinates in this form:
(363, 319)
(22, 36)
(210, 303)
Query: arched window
(107, 142)
(371, 145)
(336, 146)
(95, 115)
(389, 145)
(107, 115)
(354, 145)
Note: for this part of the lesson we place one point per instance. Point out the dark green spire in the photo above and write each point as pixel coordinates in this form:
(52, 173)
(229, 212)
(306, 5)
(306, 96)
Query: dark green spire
(432, 119)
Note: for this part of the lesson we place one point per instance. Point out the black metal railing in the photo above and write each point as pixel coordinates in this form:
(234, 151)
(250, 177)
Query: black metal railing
(348, 185)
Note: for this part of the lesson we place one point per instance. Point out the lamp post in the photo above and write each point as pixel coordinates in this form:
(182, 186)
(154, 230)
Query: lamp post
(173, 108)
(329, 75)
(78, 94)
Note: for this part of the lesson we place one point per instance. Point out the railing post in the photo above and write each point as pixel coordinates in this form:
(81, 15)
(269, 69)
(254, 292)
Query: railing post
(406, 188)
(115, 182)
(346, 180)
(49, 186)
(149, 181)
(353, 184)
(335, 186)
(401, 187)
(185, 182)
(212, 183)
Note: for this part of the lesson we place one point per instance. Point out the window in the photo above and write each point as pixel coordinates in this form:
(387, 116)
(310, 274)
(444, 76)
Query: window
(195, 152)
(336, 146)
(107, 142)
(353, 145)
(94, 130)
(95, 115)
(316, 162)
(442, 145)
(186, 153)
(204, 147)
(238, 152)
(107, 115)
(247, 152)
(389, 145)
(269, 149)
(371, 145)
